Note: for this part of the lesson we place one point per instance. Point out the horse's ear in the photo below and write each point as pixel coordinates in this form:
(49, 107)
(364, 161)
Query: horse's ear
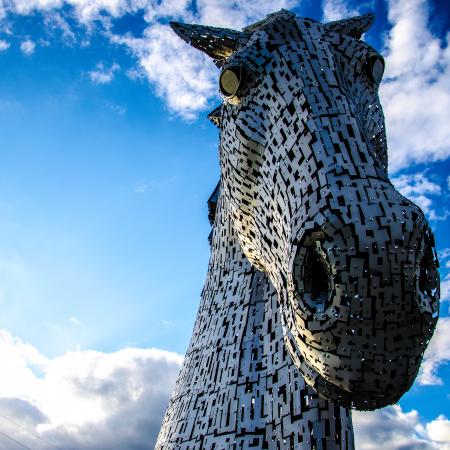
(218, 43)
(354, 27)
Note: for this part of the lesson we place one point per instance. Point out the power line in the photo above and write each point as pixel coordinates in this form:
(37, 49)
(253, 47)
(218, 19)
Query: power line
(15, 440)
(28, 431)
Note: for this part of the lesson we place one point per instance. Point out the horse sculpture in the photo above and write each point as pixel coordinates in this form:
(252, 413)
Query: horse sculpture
(322, 291)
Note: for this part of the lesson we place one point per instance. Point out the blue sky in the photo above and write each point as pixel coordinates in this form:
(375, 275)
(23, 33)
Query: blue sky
(107, 161)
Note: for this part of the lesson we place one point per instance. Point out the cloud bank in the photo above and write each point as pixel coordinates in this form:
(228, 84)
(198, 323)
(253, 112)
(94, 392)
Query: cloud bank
(393, 429)
(95, 400)
(84, 399)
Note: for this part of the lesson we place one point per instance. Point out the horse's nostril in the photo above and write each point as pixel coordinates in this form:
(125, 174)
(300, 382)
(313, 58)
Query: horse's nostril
(426, 268)
(427, 279)
(312, 276)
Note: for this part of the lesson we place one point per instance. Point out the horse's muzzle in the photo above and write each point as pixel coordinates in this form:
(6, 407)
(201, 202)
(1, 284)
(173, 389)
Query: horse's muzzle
(365, 296)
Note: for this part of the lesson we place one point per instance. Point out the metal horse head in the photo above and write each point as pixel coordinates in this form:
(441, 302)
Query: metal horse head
(304, 172)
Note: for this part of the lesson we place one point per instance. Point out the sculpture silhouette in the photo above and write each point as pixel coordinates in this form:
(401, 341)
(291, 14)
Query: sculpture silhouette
(322, 291)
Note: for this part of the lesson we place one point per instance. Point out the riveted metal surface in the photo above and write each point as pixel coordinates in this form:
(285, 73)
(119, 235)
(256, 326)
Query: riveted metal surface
(322, 291)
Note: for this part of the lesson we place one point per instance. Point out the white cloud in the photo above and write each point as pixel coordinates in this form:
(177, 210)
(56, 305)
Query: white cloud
(141, 188)
(419, 189)
(415, 94)
(439, 431)
(444, 257)
(85, 10)
(416, 90)
(182, 76)
(55, 22)
(74, 320)
(436, 355)
(4, 45)
(444, 253)
(445, 286)
(340, 9)
(175, 9)
(185, 79)
(115, 108)
(156, 184)
(239, 13)
(28, 6)
(136, 74)
(392, 429)
(88, 10)
(103, 74)
(84, 399)
(94, 400)
(27, 47)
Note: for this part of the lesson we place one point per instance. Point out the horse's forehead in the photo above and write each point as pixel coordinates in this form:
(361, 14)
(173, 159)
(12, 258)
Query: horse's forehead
(286, 30)
(287, 36)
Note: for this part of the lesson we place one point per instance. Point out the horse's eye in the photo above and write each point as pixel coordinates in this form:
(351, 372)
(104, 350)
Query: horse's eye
(230, 81)
(376, 67)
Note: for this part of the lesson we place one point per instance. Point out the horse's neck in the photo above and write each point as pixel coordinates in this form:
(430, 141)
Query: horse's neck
(238, 386)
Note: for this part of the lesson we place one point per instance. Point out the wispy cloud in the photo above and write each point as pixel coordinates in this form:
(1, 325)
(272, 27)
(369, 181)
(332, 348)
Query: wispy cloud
(183, 77)
(141, 188)
(55, 22)
(445, 286)
(136, 74)
(155, 184)
(444, 256)
(4, 45)
(27, 47)
(422, 191)
(340, 9)
(437, 354)
(444, 253)
(117, 109)
(85, 10)
(103, 74)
